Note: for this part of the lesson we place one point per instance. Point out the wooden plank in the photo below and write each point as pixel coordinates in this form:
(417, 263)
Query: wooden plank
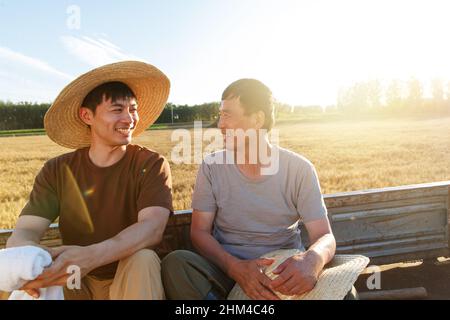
(174, 234)
(435, 240)
(406, 235)
(389, 212)
(378, 196)
(430, 185)
(411, 256)
(401, 253)
(388, 222)
(177, 233)
(392, 227)
(397, 294)
(388, 204)
(181, 217)
(448, 217)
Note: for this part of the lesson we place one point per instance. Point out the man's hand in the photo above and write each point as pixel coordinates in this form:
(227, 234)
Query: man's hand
(56, 273)
(298, 274)
(250, 276)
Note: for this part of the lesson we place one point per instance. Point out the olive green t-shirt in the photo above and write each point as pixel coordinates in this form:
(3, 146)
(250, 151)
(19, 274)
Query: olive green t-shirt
(95, 203)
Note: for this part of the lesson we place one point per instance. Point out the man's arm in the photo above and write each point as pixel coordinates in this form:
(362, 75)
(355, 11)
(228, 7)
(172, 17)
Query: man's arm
(147, 232)
(323, 243)
(299, 273)
(247, 273)
(28, 231)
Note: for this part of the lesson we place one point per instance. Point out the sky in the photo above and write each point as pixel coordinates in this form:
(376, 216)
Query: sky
(304, 50)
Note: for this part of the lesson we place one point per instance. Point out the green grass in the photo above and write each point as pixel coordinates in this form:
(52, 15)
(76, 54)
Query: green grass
(156, 126)
(22, 132)
(29, 132)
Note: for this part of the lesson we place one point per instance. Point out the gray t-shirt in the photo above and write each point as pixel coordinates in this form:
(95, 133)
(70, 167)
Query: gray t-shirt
(256, 217)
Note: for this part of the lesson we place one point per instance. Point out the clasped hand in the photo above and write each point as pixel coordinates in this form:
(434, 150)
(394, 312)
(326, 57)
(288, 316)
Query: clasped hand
(297, 275)
(56, 274)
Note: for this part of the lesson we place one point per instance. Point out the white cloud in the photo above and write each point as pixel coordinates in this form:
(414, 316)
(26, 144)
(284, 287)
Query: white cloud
(8, 55)
(95, 52)
(25, 78)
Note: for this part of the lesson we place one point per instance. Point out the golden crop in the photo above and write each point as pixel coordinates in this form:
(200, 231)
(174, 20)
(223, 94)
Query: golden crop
(348, 156)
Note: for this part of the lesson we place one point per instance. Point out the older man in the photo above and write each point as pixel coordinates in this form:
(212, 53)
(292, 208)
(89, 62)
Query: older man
(242, 210)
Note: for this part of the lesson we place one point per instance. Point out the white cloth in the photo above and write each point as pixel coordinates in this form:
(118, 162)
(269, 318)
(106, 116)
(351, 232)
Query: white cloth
(22, 264)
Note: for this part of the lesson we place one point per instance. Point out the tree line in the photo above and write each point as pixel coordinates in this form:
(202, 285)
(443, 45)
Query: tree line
(366, 97)
(26, 115)
(396, 97)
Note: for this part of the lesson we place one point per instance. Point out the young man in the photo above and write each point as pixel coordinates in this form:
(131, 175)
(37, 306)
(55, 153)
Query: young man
(113, 199)
(239, 213)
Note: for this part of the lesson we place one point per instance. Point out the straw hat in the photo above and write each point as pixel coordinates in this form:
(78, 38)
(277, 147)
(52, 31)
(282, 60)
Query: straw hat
(335, 281)
(150, 85)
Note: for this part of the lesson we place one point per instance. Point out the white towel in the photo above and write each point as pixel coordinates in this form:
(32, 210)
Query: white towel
(22, 264)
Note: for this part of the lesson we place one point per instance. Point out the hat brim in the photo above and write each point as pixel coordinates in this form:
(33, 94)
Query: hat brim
(150, 85)
(335, 281)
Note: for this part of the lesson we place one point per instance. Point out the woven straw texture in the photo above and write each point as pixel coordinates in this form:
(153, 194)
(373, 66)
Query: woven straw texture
(335, 281)
(149, 84)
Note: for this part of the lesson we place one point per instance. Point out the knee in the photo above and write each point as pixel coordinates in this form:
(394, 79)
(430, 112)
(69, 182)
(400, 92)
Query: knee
(143, 257)
(175, 261)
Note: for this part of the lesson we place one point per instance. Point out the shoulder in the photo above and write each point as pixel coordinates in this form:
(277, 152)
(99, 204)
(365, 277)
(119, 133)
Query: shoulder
(217, 157)
(143, 153)
(293, 158)
(65, 158)
(146, 157)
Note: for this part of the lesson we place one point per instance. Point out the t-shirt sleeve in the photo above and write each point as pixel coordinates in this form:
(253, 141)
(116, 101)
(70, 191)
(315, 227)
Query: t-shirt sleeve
(310, 203)
(156, 188)
(203, 198)
(43, 201)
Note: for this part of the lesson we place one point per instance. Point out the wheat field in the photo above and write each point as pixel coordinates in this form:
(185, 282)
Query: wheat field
(348, 155)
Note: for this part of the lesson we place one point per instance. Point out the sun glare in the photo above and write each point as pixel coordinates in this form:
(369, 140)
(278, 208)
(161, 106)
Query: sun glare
(306, 51)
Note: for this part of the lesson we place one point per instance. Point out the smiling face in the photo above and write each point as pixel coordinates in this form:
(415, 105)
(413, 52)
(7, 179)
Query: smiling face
(233, 117)
(247, 104)
(113, 122)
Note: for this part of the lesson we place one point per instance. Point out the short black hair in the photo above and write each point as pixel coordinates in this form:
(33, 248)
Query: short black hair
(114, 90)
(254, 96)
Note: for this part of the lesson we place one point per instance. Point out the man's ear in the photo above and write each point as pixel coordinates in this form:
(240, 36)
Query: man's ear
(260, 118)
(86, 115)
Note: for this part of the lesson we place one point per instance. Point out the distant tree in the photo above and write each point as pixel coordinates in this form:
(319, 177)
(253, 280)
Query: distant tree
(415, 94)
(360, 96)
(447, 97)
(354, 98)
(437, 90)
(343, 98)
(282, 107)
(374, 93)
(394, 95)
(447, 92)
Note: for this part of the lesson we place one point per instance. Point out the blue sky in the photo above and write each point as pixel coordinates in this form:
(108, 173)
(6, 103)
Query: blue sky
(304, 50)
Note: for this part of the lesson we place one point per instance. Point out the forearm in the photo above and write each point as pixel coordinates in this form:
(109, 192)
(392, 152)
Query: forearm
(140, 235)
(209, 247)
(323, 250)
(23, 237)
